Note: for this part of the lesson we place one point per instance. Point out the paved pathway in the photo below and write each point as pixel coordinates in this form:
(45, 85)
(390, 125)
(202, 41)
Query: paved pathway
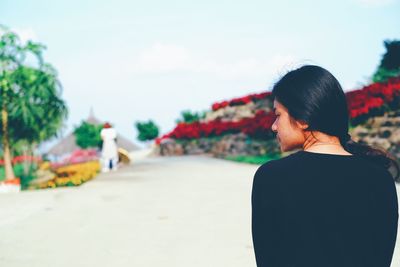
(186, 211)
(169, 212)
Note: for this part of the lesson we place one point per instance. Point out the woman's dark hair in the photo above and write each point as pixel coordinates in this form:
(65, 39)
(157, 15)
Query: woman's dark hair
(313, 95)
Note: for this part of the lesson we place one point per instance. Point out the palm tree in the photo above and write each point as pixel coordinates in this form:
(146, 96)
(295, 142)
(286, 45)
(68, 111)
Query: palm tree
(31, 106)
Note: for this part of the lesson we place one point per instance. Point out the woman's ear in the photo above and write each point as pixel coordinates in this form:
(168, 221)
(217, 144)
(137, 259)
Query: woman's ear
(302, 125)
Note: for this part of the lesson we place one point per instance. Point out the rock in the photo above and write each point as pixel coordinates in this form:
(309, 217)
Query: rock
(227, 145)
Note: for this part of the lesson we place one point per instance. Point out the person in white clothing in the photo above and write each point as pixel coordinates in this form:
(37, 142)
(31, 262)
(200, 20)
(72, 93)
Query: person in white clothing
(109, 151)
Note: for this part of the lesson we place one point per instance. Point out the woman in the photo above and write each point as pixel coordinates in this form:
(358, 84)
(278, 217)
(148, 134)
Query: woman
(333, 203)
(109, 152)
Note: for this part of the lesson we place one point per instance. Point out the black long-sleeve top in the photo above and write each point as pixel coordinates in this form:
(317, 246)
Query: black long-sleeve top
(323, 210)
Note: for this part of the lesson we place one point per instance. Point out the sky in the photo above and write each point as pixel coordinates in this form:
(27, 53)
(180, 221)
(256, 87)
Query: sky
(139, 60)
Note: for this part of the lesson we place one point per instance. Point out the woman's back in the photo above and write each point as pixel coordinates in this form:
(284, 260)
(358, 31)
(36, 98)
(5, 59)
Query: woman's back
(313, 209)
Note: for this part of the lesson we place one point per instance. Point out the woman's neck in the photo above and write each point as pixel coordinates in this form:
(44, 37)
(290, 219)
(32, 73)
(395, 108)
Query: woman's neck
(319, 147)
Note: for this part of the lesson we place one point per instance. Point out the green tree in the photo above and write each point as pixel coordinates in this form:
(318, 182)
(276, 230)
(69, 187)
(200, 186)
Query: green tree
(188, 117)
(31, 106)
(88, 135)
(390, 63)
(147, 130)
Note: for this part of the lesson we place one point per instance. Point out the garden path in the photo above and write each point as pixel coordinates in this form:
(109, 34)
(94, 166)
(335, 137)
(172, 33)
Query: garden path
(172, 211)
(184, 211)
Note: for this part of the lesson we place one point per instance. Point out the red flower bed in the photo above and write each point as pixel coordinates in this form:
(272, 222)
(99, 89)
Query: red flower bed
(78, 156)
(22, 158)
(259, 125)
(240, 100)
(361, 104)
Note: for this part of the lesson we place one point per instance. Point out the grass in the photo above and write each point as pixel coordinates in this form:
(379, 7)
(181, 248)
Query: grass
(253, 159)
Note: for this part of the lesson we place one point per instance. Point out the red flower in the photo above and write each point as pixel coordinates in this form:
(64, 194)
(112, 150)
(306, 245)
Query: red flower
(360, 102)
(241, 100)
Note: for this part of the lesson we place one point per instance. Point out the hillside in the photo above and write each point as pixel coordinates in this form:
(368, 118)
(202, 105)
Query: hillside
(242, 126)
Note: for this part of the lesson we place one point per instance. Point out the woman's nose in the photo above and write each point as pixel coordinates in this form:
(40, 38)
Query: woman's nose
(273, 127)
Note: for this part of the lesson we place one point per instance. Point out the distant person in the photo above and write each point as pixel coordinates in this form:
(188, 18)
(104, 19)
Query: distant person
(109, 151)
(333, 203)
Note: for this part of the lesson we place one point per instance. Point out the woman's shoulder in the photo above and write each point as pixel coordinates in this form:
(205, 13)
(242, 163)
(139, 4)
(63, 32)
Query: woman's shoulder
(278, 164)
(267, 166)
(293, 164)
(273, 170)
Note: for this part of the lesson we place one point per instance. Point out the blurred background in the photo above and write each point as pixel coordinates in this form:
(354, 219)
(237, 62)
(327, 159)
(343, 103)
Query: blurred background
(171, 79)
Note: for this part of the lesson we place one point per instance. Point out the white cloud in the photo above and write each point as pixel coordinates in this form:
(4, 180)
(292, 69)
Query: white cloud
(162, 58)
(374, 3)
